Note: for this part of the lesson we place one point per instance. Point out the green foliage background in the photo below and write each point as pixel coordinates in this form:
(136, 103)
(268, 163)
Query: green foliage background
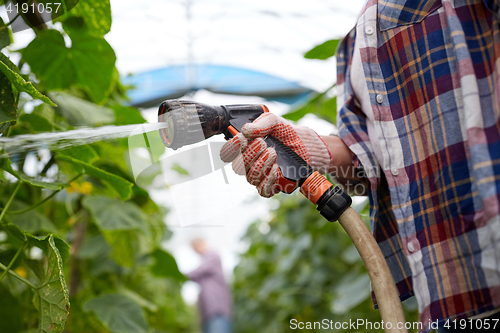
(79, 249)
(300, 266)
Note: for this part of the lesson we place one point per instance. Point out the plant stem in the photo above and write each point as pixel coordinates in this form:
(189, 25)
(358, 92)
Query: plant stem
(12, 21)
(12, 261)
(74, 281)
(17, 212)
(19, 277)
(64, 6)
(10, 200)
(48, 165)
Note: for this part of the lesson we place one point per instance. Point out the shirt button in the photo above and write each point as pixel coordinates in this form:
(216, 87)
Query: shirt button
(394, 171)
(380, 99)
(369, 30)
(411, 247)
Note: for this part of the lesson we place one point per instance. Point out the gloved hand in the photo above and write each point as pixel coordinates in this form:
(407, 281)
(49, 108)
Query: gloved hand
(258, 161)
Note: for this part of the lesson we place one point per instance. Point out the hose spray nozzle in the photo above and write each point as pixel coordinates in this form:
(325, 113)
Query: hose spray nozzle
(192, 122)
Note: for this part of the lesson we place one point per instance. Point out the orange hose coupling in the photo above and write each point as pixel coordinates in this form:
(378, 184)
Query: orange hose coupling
(315, 186)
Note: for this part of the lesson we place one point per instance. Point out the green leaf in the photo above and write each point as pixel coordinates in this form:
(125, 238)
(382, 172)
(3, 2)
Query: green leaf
(126, 115)
(165, 266)
(121, 186)
(92, 247)
(48, 58)
(111, 214)
(296, 115)
(36, 123)
(37, 267)
(59, 8)
(96, 14)
(88, 64)
(31, 221)
(52, 291)
(84, 153)
(323, 51)
(40, 242)
(141, 301)
(319, 105)
(103, 265)
(44, 244)
(55, 186)
(118, 313)
(45, 111)
(10, 64)
(14, 230)
(113, 157)
(75, 24)
(79, 112)
(20, 84)
(8, 114)
(123, 246)
(5, 164)
(119, 222)
(5, 39)
(11, 313)
(180, 170)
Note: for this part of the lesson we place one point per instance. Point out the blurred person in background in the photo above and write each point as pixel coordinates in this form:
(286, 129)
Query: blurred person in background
(418, 132)
(214, 301)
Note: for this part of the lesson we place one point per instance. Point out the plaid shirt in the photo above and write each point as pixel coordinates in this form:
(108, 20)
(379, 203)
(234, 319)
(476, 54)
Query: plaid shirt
(432, 72)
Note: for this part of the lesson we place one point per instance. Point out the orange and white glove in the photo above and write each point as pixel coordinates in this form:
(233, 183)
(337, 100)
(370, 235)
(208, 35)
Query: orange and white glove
(250, 155)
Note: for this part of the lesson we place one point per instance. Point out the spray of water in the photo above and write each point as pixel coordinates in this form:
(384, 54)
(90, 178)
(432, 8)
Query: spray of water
(56, 141)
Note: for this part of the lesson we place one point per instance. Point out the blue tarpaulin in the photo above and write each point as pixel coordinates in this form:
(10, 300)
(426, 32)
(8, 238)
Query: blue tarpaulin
(152, 87)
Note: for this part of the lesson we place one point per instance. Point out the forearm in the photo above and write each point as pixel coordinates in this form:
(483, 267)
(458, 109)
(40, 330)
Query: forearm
(341, 166)
(341, 162)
